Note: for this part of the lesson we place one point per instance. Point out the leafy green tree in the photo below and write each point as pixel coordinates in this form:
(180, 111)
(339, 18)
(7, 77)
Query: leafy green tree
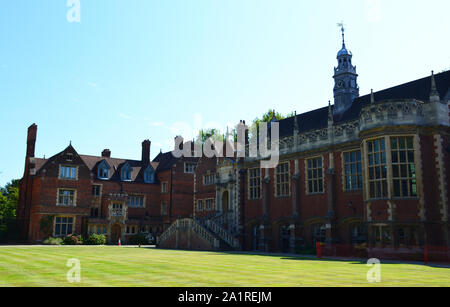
(9, 196)
(205, 134)
(266, 117)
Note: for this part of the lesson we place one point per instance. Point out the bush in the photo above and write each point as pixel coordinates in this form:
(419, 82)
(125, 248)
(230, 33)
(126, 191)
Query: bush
(95, 239)
(139, 239)
(73, 240)
(306, 250)
(53, 241)
(3, 232)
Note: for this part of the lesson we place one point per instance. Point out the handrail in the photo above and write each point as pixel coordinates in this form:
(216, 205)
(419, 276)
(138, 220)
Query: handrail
(223, 234)
(188, 223)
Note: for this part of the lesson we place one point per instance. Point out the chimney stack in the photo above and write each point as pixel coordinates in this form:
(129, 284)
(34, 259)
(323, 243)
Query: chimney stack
(31, 140)
(146, 151)
(106, 153)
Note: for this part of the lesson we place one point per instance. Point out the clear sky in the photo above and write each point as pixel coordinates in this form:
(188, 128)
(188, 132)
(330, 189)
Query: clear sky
(138, 69)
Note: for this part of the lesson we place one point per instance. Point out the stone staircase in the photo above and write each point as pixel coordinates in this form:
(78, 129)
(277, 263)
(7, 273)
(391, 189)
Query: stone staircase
(208, 229)
(187, 226)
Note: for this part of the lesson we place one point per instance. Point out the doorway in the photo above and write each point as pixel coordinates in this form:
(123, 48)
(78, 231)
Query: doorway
(116, 232)
(225, 207)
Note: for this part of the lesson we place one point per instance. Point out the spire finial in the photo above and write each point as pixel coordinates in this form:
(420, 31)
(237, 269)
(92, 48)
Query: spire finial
(434, 94)
(330, 112)
(295, 123)
(341, 25)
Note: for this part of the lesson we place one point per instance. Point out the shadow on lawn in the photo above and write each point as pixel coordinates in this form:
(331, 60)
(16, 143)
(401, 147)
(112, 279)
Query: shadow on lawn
(296, 257)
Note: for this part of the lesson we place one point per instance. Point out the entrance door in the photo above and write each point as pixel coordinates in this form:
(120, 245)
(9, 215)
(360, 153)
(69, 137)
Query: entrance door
(116, 231)
(225, 207)
(285, 236)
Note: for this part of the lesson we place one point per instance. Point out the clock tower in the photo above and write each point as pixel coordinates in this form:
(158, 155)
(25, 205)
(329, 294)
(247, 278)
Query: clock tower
(346, 87)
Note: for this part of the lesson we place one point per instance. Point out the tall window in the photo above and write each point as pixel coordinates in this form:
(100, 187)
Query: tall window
(149, 175)
(68, 172)
(282, 179)
(199, 205)
(163, 208)
(189, 168)
(96, 190)
(209, 204)
(254, 183)
(353, 171)
(63, 226)
(315, 175)
(378, 187)
(135, 201)
(126, 173)
(164, 187)
(403, 167)
(66, 197)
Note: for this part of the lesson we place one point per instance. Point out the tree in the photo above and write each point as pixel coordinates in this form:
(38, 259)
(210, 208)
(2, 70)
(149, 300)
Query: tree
(9, 196)
(267, 117)
(205, 134)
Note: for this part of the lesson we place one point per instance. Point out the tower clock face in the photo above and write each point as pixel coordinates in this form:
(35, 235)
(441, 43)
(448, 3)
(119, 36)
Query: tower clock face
(340, 83)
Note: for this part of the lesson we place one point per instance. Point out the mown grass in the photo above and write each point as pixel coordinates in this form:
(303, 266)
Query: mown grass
(125, 266)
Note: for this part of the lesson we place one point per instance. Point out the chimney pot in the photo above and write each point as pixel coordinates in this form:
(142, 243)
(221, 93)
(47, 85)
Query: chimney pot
(106, 153)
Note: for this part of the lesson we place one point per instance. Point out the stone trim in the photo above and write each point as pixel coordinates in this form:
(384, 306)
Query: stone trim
(439, 158)
(419, 165)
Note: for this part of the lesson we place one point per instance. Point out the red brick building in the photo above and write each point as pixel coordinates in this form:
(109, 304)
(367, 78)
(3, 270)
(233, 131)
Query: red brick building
(71, 193)
(370, 170)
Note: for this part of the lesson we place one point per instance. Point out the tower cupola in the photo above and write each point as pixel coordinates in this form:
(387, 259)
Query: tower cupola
(346, 88)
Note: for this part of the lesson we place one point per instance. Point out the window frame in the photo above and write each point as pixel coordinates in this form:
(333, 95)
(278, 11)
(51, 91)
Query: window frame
(384, 181)
(188, 171)
(359, 173)
(286, 184)
(73, 224)
(134, 196)
(74, 201)
(254, 184)
(73, 171)
(319, 180)
(407, 164)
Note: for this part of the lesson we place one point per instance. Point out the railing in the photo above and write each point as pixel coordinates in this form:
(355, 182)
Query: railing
(226, 218)
(190, 224)
(169, 231)
(223, 234)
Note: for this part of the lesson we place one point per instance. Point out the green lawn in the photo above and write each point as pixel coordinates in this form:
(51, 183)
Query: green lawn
(126, 266)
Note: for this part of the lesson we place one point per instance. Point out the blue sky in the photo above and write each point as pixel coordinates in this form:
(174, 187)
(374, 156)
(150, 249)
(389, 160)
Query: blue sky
(132, 70)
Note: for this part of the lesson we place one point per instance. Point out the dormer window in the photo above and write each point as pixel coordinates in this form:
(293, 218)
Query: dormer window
(103, 170)
(69, 157)
(149, 175)
(125, 173)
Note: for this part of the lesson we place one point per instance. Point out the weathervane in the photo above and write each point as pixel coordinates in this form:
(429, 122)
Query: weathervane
(341, 25)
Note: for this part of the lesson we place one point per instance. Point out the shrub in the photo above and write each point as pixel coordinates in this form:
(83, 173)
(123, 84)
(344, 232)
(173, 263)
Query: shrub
(95, 239)
(306, 250)
(3, 232)
(53, 241)
(73, 240)
(139, 239)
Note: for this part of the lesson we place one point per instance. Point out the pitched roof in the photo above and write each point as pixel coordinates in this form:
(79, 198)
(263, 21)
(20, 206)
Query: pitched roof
(116, 164)
(165, 161)
(418, 89)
